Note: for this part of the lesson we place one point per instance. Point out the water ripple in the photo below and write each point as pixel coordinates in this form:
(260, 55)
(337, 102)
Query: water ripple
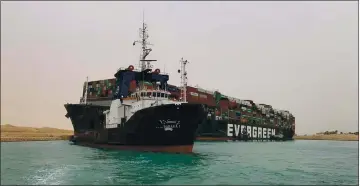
(218, 163)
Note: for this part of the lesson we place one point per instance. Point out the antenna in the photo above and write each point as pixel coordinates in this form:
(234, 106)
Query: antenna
(86, 89)
(143, 16)
(183, 78)
(145, 51)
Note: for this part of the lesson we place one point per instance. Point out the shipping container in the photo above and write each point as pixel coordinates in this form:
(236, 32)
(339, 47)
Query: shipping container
(244, 120)
(217, 112)
(192, 97)
(211, 101)
(224, 104)
(191, 89)
(173, 88)
(205, 98)
(132, 86)
(232, 104)
(232, 114)
(107, 87)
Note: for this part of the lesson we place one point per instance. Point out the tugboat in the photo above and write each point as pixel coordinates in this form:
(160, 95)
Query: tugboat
(146, 119)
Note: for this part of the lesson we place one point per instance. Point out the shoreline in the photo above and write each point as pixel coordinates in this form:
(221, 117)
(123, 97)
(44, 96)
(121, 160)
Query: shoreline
(67, 137)
(11, 133)
(331, 137)
(23, 139)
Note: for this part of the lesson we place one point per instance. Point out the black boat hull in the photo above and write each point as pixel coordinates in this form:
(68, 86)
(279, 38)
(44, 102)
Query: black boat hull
(87, 119)
(165, 128)
(225, 130)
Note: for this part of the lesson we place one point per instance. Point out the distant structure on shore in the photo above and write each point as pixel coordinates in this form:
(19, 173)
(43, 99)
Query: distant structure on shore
(336, 132)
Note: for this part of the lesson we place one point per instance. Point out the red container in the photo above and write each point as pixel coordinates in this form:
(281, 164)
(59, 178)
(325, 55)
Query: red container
(211, 101)
(132, 86)
(192, 94)
(202, 97)
(217, 112)
(224, 104)
(191, 98)
(232, 104)
(191, 89)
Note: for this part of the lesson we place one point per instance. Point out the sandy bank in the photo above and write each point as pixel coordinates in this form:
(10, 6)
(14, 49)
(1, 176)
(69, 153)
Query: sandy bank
(335, 137)
(10, 133)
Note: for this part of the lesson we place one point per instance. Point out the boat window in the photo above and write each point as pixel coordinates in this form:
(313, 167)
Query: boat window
(162, 95)
(142, 94)
(158, 94)
(166, 95)
(148, 94)
(154, 94)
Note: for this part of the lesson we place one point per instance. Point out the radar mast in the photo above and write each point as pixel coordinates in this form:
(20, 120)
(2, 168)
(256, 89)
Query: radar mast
(145, 50)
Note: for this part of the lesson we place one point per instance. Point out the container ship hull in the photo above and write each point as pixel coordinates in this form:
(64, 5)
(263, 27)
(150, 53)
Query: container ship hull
(88, 118)
(224, 130)
(164, 128)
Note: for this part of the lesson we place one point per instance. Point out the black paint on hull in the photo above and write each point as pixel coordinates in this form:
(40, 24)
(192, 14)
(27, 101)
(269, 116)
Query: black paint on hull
(215, 130)
(143, 130)
(85, 117)
(88, 118)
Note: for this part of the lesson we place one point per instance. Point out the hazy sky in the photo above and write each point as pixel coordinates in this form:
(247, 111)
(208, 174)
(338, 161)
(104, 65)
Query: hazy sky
(298, 56)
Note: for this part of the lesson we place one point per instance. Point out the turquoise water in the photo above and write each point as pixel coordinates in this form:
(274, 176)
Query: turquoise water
(256, 163)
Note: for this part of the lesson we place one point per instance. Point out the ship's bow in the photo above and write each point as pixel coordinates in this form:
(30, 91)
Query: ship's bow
(168, 128)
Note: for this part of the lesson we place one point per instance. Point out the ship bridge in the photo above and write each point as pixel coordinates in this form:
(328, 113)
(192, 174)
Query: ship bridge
(150, 94)
(124, 77)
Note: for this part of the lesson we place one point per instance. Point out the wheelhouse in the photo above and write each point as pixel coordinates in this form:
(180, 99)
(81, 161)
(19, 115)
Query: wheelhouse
(151, 94)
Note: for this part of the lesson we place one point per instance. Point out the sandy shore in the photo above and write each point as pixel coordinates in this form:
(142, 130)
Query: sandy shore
(335, 137)
(10, 133)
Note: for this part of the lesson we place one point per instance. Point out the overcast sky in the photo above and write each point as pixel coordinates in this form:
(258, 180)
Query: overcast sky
(298, 56)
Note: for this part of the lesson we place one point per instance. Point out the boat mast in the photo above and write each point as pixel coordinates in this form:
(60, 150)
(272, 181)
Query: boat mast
(183, 78)
(144, 63)
(86, 89)
(145, 51)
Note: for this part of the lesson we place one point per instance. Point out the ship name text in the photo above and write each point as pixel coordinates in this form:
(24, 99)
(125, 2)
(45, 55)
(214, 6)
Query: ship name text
(252, 131)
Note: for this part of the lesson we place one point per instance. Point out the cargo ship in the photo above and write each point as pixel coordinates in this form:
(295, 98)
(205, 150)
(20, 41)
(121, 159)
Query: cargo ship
(227, 118)
(145, 119)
